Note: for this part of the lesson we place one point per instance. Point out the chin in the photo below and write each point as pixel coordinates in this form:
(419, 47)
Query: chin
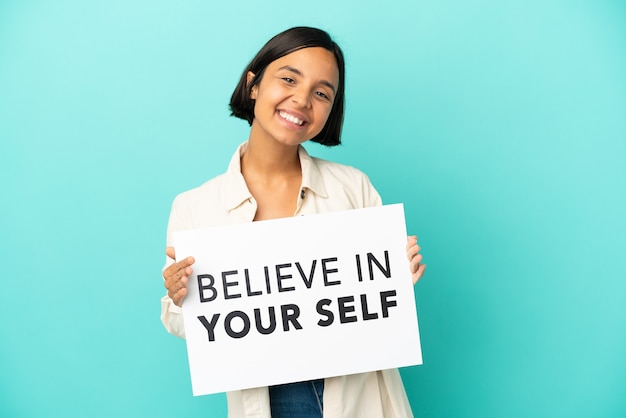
(290, 140)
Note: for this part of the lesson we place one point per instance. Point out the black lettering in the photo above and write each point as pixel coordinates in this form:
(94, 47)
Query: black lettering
(307, 281)
(229, 284)
(327, 271)
(386, 304)
(259, 325)
(248, 287)
(267, 280)
(366, 314)
(280, 277)
(345, 309)
(202, 287)
(210, 326)
(228, 324)
(329, 315)
(358, 267)
(290, 316)
(372, 260)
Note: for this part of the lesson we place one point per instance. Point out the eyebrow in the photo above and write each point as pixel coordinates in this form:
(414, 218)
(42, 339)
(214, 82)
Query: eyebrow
(298, 72)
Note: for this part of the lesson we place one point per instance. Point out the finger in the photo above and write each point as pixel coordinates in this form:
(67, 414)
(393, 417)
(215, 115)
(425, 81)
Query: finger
(415, 263)
(176, 274)
(175, 286)
(171, 275)
(181, 290)
(176, 267)
(171, 253)
(172, 278)
(412, 251)
(174, 289)
(419, 274)
(179, 296)
(411, 240)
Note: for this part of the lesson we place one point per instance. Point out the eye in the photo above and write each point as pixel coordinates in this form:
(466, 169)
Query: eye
(288, 80)
(322, 95)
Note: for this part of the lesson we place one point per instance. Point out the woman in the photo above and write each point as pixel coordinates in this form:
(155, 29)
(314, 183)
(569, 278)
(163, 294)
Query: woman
(291, 92)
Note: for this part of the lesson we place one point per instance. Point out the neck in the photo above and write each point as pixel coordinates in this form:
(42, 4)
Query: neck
(270, 158)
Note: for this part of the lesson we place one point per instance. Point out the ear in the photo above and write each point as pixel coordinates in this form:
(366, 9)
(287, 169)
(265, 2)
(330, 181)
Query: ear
(249, 77)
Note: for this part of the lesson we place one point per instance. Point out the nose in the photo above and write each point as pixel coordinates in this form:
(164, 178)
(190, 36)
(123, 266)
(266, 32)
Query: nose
(301, 97)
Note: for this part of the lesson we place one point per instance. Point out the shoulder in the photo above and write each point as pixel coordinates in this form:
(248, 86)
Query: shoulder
(346, 175)
(336, 169)
(346, 182)
(219, 187)
(208, 190)
(199, 207)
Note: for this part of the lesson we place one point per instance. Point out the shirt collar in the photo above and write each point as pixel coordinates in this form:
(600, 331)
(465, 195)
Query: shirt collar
(236, 191)
(311, 174)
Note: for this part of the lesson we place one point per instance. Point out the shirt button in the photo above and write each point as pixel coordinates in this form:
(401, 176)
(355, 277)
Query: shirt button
(302, 194)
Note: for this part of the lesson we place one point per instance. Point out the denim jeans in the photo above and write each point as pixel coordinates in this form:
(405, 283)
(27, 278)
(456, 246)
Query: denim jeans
(297, 400)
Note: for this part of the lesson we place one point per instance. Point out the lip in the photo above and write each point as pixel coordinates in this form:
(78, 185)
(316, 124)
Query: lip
(295, 114)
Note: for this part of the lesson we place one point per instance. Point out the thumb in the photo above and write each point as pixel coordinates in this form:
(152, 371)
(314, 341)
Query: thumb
(169, 251)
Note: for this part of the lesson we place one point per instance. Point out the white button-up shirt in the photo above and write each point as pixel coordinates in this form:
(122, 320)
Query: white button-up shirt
(326, 187)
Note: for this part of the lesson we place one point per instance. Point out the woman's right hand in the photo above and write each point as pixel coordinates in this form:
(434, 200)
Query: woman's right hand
(177, 276)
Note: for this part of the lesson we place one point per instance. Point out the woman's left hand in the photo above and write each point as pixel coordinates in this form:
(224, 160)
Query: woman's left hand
(415, 258)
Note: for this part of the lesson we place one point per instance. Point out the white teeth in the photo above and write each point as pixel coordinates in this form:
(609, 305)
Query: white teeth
(291, 118)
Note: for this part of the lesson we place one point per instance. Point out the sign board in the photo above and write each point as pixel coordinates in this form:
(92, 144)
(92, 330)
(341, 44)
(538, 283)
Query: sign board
(299, 298)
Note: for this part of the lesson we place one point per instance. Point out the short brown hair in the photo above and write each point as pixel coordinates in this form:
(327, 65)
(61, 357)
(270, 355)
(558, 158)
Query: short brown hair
(291, 40)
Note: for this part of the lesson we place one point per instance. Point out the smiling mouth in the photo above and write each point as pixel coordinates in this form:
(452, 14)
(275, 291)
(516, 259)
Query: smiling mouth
(290, 118)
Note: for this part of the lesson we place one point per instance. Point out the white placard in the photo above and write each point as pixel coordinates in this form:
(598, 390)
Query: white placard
(299, 298)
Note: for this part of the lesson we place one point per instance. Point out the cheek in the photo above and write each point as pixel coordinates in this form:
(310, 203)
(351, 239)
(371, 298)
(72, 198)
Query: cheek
(270, 93)
(324, 115)
(266, 102)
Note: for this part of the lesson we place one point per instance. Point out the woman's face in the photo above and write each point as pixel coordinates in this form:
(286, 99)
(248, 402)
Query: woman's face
(295, 96)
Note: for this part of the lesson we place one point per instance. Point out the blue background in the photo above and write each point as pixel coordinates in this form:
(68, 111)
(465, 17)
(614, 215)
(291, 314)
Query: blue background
(500, 125)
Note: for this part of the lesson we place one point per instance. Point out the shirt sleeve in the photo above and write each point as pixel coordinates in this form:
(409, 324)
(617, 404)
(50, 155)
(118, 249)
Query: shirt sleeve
(370, 194)
(172, 315)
